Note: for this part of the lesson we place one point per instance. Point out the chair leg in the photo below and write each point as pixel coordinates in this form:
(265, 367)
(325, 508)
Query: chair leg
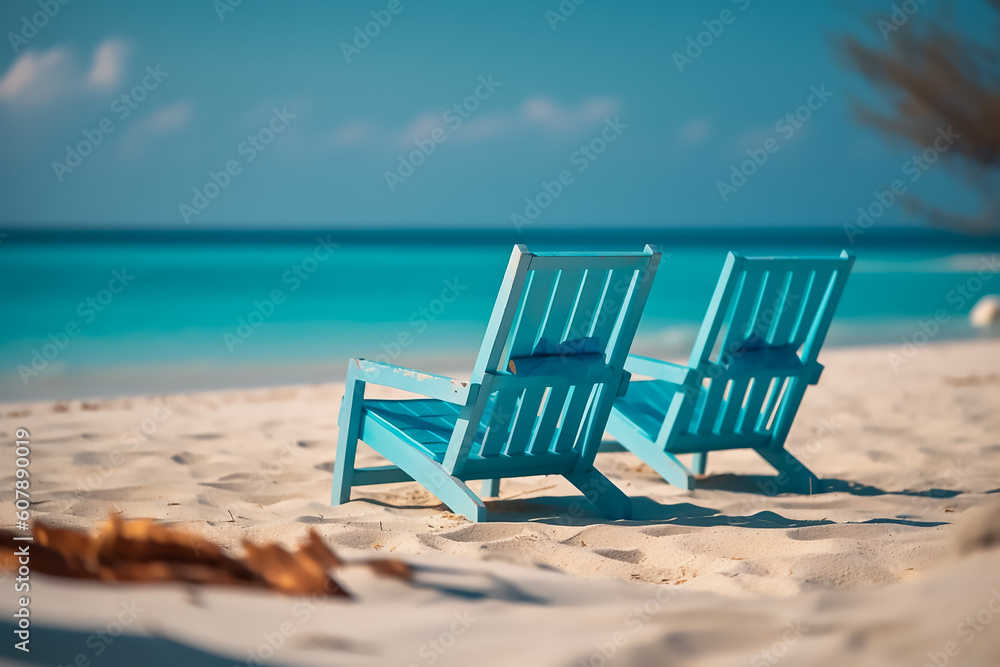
(699, 462)
(601, 491)
(343, 468)
(664, 463)
(452, 491)
(793, 475)
(349, 424)
(670, 468)
(430, 474)
(490, 488)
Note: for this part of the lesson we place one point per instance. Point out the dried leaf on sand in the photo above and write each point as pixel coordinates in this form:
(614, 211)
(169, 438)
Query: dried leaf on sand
(145, 551)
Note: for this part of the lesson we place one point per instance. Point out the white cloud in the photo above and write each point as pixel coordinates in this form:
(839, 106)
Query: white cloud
(534, 114)
(37, 78)
(109, 61)
(165, 119)
(695, 131)
(542, 111)
(754, 139)
(352, 133)
(538, 114)
(421, 128)
(170, 117)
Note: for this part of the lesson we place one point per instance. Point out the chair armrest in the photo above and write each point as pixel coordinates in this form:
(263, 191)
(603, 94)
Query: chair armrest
(425, 384)
(815, 370)
(661, 370)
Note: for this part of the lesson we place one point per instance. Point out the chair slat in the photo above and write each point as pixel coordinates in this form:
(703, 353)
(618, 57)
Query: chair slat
(773, 401)
(708, 411)
(768, 305)
(557, 324)
(533, 306)
(733, 406)
(552, 410)
(818, 331)
(626, 321)
(570, 426)
(730, 283)
(818, 286)
(496, 337)
(751, 411)
(610, 305)
(787, 314)
(753, 285)
(524, 421)
(500, 423)
(587, 304)
(787, 406)
(746, 298)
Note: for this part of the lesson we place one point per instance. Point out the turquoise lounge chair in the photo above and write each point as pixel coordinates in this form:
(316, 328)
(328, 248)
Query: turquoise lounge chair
(753, 359)
(550, 367)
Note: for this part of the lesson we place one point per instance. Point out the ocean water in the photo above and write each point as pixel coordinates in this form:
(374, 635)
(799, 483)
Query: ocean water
(115, 314)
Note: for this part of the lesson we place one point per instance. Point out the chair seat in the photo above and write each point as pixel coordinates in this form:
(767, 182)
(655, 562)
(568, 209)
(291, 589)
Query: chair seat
(645, 405)
(427, 424)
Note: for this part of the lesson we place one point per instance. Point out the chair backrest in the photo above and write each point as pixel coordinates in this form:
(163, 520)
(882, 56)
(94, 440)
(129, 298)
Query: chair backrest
(757, 348)
(553, 356)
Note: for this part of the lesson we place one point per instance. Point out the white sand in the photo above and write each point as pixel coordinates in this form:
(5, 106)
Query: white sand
(866, 573)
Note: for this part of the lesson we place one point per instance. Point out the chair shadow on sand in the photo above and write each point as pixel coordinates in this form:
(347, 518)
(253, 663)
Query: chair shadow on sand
(758, 485)
(578, 511)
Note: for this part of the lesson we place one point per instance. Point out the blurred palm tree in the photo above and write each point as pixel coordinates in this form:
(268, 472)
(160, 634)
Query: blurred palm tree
(934, 78)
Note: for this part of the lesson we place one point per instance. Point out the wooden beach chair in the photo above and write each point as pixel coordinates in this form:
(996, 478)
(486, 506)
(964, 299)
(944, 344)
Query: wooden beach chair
(752, 361)
(550, 367)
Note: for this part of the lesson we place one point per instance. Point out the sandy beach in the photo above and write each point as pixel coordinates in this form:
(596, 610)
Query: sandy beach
(213, 209)
(885, 566)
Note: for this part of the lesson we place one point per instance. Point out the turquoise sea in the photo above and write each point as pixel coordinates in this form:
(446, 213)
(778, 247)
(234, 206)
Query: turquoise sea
(92, 314)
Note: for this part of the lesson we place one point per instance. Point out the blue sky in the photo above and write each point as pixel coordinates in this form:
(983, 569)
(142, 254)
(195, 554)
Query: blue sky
(278, 72)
